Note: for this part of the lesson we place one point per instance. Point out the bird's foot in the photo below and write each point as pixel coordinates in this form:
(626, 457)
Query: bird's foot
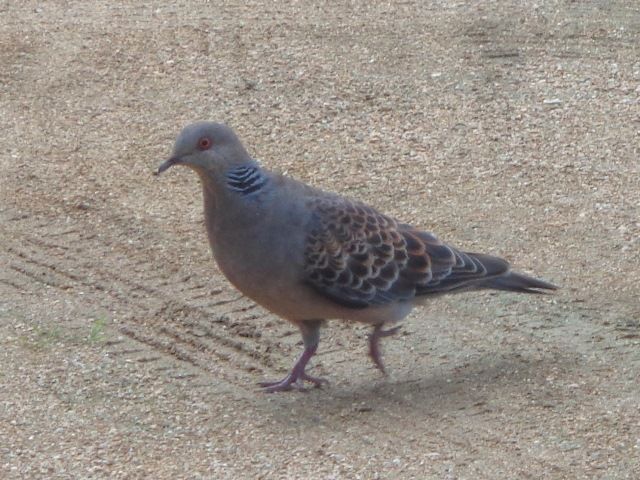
(374, 344)
(291, 383)
(297, 376)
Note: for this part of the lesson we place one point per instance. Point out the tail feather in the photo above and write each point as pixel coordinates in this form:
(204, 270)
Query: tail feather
(479, 271)
(518, 282)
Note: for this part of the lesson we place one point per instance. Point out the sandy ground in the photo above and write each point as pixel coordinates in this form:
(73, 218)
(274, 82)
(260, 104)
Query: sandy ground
(504, 126)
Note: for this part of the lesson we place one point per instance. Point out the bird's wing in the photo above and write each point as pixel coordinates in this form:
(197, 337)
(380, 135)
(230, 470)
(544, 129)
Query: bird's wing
(358, 257)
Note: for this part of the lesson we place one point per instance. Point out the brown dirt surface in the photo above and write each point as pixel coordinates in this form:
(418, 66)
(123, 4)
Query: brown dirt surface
(506, 127)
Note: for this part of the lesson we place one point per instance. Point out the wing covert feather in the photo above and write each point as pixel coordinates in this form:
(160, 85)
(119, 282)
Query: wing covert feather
(359, 257)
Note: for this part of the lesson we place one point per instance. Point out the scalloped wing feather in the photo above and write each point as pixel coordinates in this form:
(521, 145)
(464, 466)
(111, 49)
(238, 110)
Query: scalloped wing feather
(359, 257)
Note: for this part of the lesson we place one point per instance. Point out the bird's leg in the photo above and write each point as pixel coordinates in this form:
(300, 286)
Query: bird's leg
(311, 337)
(374, 347)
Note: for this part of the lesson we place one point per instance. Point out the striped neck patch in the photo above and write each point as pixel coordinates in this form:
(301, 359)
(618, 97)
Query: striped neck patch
(246, 179)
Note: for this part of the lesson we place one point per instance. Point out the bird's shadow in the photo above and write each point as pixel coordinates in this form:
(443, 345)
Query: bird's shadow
(416, 394)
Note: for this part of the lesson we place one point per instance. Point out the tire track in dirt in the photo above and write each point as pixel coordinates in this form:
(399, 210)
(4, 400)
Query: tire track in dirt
(172, 313)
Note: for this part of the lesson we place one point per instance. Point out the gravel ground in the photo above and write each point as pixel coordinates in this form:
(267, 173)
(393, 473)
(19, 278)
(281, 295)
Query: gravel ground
(503, 126)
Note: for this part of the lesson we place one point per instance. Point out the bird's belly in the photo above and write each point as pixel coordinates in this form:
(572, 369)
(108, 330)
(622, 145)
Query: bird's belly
(290, 298)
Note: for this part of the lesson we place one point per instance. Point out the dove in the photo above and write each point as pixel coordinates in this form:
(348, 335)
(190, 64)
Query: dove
(308, 255)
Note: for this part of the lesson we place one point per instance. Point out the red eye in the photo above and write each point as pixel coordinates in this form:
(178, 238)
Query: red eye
(204, 143)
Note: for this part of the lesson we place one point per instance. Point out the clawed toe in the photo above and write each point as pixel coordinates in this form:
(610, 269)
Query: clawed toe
(289, 383)
(272, 384)
(281, 386)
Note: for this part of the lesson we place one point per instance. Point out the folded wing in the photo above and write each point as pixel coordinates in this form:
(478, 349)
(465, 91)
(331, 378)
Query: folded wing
(358, 257)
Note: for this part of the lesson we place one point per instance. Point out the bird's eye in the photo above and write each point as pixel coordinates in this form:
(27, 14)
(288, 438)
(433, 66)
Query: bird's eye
(204, 143)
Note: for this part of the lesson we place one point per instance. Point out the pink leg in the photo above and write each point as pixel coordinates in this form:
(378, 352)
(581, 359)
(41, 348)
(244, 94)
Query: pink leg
(310, 336)
(374, 348)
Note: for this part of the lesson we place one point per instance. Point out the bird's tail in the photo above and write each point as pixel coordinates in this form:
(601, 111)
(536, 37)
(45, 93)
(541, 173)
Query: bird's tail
(517, 282)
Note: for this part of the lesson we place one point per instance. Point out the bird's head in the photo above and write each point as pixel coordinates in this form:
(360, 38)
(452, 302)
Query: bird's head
(206, 147)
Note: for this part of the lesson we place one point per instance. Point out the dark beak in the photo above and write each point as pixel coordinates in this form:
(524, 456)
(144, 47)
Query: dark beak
(169, 163)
